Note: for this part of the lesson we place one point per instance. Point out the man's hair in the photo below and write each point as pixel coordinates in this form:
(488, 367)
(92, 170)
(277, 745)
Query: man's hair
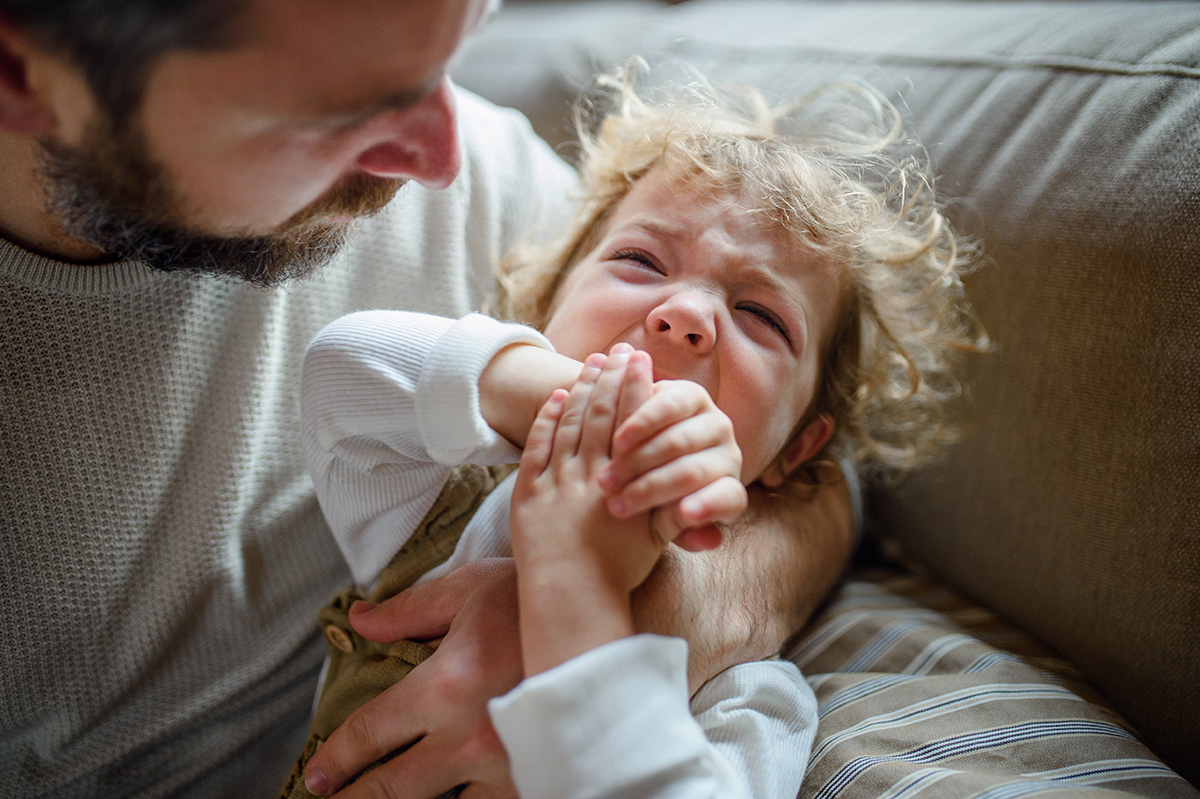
(835, 170)
(115, 43)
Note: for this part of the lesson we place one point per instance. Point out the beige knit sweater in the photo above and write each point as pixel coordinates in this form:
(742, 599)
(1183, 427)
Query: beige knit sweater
(161, 550)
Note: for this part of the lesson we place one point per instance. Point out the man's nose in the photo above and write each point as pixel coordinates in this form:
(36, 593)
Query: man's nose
(686, 318)
(418, 142)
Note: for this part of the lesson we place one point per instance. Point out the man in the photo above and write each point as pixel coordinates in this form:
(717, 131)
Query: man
(163, 551)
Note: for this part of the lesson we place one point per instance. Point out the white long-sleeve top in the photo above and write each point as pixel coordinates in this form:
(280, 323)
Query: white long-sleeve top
(390, 405)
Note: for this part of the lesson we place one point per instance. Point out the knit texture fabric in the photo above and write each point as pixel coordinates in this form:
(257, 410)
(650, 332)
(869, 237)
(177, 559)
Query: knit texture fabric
(162, 551)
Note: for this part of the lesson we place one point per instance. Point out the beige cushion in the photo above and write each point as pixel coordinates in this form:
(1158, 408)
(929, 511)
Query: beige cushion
(1070, 134)
(923, 695)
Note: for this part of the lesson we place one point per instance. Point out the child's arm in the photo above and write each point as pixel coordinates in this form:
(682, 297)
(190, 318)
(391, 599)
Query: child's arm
(689, 496)
(389, 406)
(604, 711)
(576, 562)
(616, 722)
(391, 401)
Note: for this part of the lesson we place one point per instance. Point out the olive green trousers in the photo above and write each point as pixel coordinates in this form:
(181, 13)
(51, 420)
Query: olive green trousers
(359, 669)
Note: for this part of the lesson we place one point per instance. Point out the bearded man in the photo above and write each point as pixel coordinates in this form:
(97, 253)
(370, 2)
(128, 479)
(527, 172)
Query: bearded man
(171, 170)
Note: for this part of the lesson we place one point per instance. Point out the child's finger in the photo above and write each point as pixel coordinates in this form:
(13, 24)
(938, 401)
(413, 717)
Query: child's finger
(662, 409)
(700, 539)
(719, 502)
(539, 444)
(596, 434)
(692, 521)
(671, 482)
(638, 386)
(691, 435)
(570, 423)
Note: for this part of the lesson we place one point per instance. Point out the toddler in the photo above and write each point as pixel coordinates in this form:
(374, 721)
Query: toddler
(747, 294)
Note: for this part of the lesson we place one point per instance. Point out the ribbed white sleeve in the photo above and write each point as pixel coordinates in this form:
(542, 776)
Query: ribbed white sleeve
(389, 406)
(615, 723)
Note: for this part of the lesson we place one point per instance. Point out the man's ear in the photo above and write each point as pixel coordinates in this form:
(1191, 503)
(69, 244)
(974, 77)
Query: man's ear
(22, 108)
(803, 447)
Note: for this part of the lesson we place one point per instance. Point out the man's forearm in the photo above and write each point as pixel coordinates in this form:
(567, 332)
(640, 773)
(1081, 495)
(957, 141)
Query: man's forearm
(742, 601)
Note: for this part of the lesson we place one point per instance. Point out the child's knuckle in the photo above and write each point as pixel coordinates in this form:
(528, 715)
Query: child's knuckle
(691, 472)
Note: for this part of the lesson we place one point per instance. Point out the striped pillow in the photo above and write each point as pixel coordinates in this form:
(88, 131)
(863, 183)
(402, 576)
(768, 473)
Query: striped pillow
(922, 694)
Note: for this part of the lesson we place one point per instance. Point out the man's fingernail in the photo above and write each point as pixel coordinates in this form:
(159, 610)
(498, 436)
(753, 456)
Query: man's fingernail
(621, 347)
(362, 606)
(616, 506)
(315, 781)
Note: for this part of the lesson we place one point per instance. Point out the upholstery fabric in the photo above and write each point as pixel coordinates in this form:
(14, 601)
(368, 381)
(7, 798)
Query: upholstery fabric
(923, 694)
(1066, 136)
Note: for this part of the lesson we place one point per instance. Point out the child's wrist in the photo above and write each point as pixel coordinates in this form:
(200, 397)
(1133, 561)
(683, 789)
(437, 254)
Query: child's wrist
(516, 382)
(566, 612)
(550, 572)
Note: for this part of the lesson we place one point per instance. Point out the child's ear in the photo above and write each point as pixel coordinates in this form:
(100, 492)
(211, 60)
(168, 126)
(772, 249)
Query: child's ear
(22, 108)
(803, 447)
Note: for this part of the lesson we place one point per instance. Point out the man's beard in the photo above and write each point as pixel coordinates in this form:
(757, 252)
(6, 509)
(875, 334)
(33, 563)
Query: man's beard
(109, 192)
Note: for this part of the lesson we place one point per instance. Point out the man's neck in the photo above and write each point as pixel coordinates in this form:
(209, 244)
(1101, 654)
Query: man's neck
(24, 220)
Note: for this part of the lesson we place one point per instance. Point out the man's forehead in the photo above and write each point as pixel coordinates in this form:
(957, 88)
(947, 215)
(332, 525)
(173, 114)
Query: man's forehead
(268, 23)
(317, 58)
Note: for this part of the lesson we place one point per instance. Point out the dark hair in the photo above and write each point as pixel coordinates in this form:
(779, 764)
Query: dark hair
(116, 42)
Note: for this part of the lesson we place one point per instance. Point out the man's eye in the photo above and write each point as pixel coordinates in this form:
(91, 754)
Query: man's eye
(639, 257)
(768, 318)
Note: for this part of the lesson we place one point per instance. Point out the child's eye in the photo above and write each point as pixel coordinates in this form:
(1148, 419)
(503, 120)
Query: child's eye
(639, 257)
(768, 318)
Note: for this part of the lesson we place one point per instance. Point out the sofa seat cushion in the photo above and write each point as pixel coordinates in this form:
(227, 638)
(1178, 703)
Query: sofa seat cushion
(922, 693)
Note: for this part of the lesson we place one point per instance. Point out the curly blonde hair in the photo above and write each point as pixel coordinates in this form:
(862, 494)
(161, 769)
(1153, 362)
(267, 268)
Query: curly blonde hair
(835, 170)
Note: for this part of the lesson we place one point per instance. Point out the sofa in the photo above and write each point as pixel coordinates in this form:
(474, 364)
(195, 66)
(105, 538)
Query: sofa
(1024, 616)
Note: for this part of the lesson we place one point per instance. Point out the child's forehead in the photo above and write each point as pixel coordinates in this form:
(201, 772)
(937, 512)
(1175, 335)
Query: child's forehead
(676, 204)
(663, 190)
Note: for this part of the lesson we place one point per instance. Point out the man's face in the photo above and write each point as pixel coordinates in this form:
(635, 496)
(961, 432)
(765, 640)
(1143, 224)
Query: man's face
(253, 160)
(717, 294)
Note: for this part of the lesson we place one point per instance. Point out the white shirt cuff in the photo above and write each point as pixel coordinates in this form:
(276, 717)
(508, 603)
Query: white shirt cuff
(612, 722)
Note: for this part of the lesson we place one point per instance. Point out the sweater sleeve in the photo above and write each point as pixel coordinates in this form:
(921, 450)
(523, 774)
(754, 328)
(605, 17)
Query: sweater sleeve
(615, 723)
(389, 406)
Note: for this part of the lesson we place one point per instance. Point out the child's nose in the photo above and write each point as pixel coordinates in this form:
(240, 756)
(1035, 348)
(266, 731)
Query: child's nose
(686, 319)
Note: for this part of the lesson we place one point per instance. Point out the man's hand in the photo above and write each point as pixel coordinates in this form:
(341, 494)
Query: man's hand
(440, 708)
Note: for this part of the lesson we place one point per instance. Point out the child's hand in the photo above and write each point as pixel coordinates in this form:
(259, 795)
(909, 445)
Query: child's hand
(674, 451)
(560, 520)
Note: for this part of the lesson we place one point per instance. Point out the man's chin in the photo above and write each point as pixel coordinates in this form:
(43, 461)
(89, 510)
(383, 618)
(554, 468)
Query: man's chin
(264, 261)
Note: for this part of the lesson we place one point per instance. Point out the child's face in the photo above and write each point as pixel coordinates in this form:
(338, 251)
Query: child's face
(717, 295)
